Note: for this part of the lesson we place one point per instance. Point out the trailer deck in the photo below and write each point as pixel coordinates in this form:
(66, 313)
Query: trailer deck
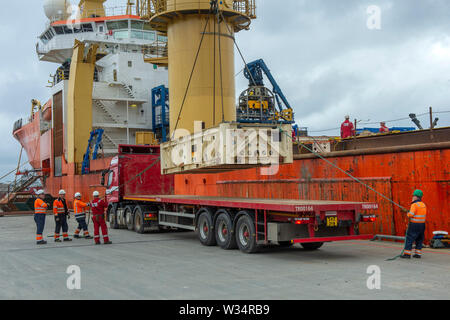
(283, 205)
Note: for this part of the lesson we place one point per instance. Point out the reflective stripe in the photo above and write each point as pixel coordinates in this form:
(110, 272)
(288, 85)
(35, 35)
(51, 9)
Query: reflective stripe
(39, 237)
(96, 237)
(407, 252)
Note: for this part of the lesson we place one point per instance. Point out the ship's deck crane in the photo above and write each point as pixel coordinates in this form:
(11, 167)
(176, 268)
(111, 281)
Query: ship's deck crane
(258, 104)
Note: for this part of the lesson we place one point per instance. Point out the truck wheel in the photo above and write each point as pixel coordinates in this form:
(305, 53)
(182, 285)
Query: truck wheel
(113, 217)
(224, 231)
(246, 234)
(285, 244)
(311, 246)
(139, 225)
(129, 217)
(205, 229)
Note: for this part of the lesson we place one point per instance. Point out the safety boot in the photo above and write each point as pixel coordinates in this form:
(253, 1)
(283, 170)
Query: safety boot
(67, 239)
(418, 256)
(88, 237)
(57, 240)
(76, 236)
(108, 242)
(41, 242)
(405, 256)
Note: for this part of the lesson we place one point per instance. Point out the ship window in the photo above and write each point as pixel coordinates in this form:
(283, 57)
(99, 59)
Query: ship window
(162, 38)
(139, 25)
(149, 36)
(76, 29)
(112, 25)
(87, 27)
(110, 179)
(44, 39)
(120, 35)
(59, 30)
(130, 64)
(67, 30)
(101, 28)
(136, 34)
(147, 26)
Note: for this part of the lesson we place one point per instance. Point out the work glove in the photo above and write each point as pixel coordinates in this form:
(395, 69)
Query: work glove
(57, 219)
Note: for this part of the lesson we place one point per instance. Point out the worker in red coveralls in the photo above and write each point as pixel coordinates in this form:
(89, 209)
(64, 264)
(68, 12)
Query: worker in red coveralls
(98, 207)
(347, 128)
(383, 128)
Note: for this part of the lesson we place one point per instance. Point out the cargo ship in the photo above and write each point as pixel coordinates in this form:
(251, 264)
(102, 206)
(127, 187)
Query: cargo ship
(129, 55)
(101, 85)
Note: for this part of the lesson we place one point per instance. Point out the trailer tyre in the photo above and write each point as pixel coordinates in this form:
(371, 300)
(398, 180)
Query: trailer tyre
(225, 237)
(205, 229)
(311, 246)
(246, 234)
(113, 224)
(129, 217)
(139, 225)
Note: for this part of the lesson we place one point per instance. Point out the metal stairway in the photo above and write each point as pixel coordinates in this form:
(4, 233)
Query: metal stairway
(106, 111)
(128, 89)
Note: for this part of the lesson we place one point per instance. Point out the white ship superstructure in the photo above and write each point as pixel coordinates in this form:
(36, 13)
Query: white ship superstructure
(121, 101)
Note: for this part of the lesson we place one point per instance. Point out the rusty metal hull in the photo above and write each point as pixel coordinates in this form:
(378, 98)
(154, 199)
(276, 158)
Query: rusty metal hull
(395, 175)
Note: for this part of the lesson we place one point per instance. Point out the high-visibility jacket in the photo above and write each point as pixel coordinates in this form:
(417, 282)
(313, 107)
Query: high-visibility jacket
(418, 212)
(58, 207)
(40, 207)
(79, 208)
(347, 129)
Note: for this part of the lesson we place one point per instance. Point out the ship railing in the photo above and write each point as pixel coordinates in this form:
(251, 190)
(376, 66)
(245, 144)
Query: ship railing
(158, 49)
(246, 7)
(128, 84)
(67, 41)
(111, 11)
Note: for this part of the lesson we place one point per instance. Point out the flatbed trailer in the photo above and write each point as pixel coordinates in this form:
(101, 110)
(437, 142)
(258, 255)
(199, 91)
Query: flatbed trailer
(230, 223)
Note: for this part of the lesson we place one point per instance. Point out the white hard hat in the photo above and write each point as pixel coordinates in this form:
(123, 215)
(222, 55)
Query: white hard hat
(77, 195)
(347, 117)
(39, 192)
(62, 192)
(96, 194)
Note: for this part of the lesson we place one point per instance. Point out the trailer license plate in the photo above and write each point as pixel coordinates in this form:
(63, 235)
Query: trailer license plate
(332, 221)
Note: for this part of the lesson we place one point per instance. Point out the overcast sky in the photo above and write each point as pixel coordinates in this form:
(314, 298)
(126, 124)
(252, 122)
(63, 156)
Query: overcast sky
(321, 52)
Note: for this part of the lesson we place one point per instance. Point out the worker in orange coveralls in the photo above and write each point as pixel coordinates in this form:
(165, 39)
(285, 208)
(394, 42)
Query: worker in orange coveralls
(40, 209)
(98, 207)
(383, 128)
(416, 229)
(347, 128)
(80, 215)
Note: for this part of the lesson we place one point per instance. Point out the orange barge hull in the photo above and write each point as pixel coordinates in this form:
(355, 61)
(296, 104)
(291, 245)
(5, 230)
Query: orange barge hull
(394, 175)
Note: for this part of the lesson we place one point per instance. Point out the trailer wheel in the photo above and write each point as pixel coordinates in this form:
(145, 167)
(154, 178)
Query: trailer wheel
(139, 225)
(311, 246)
(113, 224)
(224, 231)
(246, 234)
(128, 217)
(205, 229)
